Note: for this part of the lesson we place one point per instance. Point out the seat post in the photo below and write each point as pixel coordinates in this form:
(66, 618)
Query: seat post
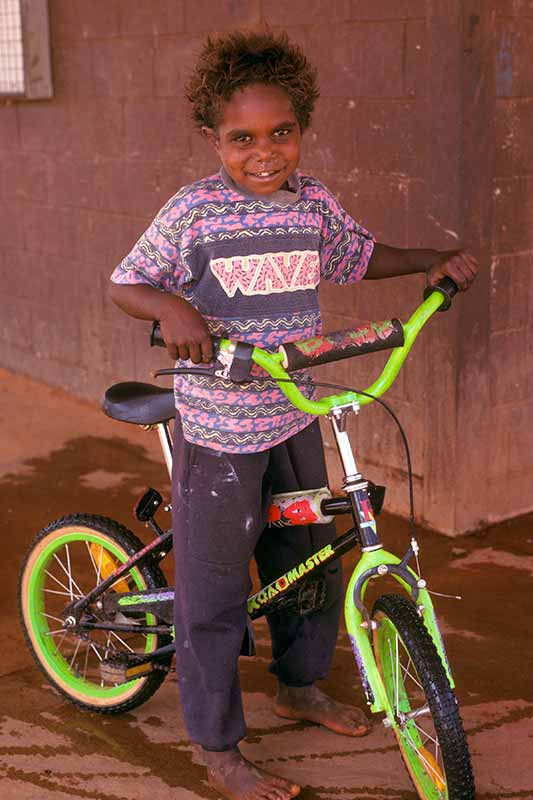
(165, 439)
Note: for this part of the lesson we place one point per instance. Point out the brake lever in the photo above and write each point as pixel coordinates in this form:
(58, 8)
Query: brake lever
(232, 363)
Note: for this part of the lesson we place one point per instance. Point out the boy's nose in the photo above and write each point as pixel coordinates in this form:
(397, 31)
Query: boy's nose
(264, 150)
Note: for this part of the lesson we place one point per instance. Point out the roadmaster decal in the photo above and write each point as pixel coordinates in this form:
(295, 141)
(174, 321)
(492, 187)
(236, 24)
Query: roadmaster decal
(286, 581)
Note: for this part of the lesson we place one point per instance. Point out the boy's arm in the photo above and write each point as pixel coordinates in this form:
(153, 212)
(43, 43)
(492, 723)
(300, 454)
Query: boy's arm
(183, 328)
(388, 262)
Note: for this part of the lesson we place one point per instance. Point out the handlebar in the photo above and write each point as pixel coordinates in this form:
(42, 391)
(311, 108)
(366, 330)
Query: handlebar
(447, 288)
(233, 359)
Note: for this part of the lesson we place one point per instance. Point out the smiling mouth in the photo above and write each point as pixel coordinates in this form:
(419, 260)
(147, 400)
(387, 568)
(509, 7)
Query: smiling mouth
(265, 173)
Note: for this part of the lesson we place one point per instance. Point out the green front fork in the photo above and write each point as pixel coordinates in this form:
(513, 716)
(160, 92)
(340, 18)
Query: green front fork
(360, 633)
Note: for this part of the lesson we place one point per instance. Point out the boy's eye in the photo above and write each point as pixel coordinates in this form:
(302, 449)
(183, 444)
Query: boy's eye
(281, 132)
(242, 139)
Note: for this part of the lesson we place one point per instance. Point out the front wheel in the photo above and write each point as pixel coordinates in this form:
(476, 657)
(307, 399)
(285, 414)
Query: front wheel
(67, 559)
(426, 715)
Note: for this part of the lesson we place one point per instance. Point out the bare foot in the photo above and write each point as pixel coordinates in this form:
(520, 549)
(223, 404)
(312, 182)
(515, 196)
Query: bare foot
(309, 703)
(237, 779)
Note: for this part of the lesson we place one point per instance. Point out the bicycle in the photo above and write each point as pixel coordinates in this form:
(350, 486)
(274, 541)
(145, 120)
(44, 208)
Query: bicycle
(97, 612)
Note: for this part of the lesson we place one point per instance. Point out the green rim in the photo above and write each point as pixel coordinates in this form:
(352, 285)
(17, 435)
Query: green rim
(39, 625)
(408, 733)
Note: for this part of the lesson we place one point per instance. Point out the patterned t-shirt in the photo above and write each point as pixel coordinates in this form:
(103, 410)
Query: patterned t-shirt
(251, 265)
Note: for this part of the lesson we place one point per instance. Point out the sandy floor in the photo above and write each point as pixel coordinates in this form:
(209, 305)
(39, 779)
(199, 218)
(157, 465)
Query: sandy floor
(59, 455)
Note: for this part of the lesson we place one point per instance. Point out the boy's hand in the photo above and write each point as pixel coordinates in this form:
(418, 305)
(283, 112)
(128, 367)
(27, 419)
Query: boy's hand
(183, 328)
(185, 333)
(458, 265)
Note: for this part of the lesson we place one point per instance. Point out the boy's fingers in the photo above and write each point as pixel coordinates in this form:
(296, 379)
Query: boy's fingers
(183, 351)
(466, 270)
(458, 275)
(172, 351)
(207, 350)
(195, 353)
(460, 267)
(471, 265)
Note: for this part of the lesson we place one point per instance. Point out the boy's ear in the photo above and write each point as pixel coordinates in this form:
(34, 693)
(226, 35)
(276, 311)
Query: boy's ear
(211, 135)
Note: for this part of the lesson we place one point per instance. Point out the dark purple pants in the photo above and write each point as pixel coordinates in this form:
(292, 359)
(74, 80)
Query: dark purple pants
(219, 505)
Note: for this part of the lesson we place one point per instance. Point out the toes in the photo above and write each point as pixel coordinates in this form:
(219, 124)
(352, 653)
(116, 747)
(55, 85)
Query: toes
(285, 792)
(352, 722)
(283, 789)
(360, 721)
(359, 724)
(356, 717)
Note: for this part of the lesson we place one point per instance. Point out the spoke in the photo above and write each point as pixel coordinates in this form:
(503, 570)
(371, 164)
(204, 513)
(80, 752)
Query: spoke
(68, 574)
(53, 633)
(102, 683)
(426, 734)
(126, 577)
(88, 546)
(126, 645)
(75, 654)
(50, 616)
(58, 582)
(97, 567)
(100, 564)
(93, 647)
(63, 594)
(425, 763)
(408, 674)
(410, 661)
(86, 660)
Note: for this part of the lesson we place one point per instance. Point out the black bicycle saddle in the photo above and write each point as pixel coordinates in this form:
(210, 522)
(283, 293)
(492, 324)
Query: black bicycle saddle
(139, 403)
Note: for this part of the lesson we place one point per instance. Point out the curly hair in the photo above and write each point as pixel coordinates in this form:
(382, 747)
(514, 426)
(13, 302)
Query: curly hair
(238, 59)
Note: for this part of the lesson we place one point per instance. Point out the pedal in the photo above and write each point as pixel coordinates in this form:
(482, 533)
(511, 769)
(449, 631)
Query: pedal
(147, 505)
(123, 668)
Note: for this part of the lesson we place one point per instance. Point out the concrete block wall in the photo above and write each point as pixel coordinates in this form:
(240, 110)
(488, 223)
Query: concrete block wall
(510, 456)
(408, 94)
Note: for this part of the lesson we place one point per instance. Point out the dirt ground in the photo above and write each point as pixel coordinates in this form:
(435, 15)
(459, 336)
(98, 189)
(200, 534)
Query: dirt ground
(60, 455)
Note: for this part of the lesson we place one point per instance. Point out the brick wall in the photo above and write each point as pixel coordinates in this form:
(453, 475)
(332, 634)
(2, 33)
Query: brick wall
(511, 298)
(401, 134)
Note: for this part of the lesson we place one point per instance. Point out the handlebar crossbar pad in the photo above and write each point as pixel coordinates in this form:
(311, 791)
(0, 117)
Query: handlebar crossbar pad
(343, 344)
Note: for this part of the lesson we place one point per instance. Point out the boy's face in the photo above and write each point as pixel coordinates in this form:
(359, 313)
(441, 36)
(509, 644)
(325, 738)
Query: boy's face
(258, 139)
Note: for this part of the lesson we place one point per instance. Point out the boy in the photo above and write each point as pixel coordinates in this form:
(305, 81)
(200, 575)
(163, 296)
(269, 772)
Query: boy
(241, 254)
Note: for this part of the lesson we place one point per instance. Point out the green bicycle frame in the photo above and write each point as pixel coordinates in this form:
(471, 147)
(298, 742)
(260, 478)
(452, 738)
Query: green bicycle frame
(359, 628)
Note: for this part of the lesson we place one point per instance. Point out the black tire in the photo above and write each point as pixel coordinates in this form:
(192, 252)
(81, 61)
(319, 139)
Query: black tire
(66, 559)
(433, 744)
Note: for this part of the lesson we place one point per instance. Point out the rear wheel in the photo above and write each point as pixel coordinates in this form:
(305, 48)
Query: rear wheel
(427, 723)
(67, 559)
